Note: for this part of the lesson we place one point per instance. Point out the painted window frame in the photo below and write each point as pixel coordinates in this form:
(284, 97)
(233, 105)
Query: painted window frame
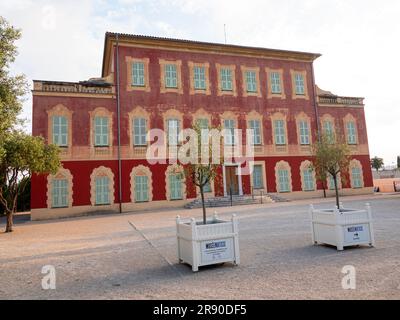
(245, 84)
(144, 171)
(137, 151)
(232, 69)
(308, 176)
(101, 150)
(174, 170)
(102, 190)
(279, 167)
(270, 93)
(59, 135)
(304, 132)
(60, 110)
(260, 179)
(296, 95)
(280, 132)
(356, 164)
(192, 66)
(62, 174)
(99, 172)
(129, 65)
(163, 85)
(101, 131)
(59, 199)
(351, 132)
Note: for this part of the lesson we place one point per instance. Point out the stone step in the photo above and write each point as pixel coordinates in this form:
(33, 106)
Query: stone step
(236, 201)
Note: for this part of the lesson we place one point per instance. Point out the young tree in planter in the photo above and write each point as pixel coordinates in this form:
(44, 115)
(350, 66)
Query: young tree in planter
(398, 162)
(377, 163)
(331, 159)
(22, 156)
(201, 172)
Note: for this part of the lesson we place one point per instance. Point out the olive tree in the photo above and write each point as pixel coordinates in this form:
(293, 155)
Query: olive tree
(22, 156)
(202, 170)
(330, 160)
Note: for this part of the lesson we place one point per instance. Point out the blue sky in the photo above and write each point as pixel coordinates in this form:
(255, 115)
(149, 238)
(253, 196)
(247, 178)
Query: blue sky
(63, 40)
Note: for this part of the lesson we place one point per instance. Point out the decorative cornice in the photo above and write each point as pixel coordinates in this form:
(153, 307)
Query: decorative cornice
(197, 46)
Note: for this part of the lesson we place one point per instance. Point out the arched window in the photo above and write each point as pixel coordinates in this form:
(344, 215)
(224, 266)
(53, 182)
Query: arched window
(175, 183)
(283, 177)
(307, 176)
(303, 129)
(141, 184)
(279, 129)
(102, 186)
(254, 122)
(350, 126)
(101, 135)
(60, 128)
(331, 182)
(356, 174)
(59, 189)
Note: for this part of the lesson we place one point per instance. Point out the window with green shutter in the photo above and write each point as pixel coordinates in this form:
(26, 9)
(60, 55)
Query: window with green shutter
(229, 126)
(101, 131)
(279, 128)
(171, 79)
(139, 131)
(257, 177)
(59, 193)
(251, 81)
(226, 79)
(175, 187)
(299, 83)
(138, 74)
(173, 131)
(204, 127)
(283, 176)
(102, 190)
(356, 177)
(141, 188)
(331, 182)
(351, 133)
(308, 179)
(60, 131)
(328, 130)
(275, 79)
(255, 126)
(199, 78)
(207, 187)
(304, 133)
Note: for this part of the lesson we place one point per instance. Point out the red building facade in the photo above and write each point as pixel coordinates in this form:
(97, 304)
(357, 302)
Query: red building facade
(160, 83)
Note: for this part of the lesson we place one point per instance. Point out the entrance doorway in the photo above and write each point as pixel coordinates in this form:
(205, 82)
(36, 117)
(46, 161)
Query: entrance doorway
(231, 180)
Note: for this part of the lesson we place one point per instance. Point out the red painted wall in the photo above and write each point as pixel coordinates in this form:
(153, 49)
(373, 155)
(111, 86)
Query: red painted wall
(157, 103)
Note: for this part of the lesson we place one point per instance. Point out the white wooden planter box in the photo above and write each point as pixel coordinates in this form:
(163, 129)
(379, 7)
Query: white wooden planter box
(213, 243)
(343, 228)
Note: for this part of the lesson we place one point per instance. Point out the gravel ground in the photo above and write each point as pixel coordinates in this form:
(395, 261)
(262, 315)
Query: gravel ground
(133, 256)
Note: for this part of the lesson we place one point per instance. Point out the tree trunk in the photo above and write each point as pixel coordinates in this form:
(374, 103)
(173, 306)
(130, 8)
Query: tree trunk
(204, 205)
(9, 225)
(324, 189)
(336, 192)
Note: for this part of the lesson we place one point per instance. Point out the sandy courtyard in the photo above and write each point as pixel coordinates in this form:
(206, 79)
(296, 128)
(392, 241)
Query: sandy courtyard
(133, 256)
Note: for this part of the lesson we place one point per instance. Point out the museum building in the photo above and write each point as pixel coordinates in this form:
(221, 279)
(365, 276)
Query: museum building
(148, 83)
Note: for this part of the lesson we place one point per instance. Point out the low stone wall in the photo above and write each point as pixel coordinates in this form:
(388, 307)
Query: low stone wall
(386, 185)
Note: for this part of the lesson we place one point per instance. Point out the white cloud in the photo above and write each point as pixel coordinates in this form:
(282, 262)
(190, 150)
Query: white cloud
(63, 40)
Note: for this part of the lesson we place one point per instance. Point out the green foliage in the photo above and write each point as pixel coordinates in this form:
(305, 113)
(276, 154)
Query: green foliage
(398, 162)
(12, 88)
(376, 163)
(23, 155)
(199, 171)
(331, 159)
